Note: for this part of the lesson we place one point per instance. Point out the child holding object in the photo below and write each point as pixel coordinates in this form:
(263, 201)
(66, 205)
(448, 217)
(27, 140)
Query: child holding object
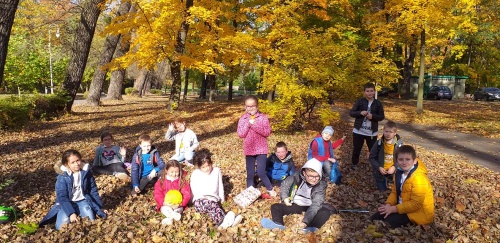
(254, 128)
(146, 163)
(208, 191)
(109, 159)
(411, 199)
(186, 141)
(322, 149)
(172, 192)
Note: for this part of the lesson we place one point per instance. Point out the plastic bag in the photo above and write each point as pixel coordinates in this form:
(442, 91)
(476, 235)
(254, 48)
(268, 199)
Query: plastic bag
(247, 196)
(336, 175)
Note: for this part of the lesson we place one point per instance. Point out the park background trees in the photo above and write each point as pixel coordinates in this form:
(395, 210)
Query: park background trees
(295, 53)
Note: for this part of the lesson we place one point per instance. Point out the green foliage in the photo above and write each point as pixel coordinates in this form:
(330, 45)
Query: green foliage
(27, 229)
(16, 112)
(131, 91)
(155, 91)
(250, 81)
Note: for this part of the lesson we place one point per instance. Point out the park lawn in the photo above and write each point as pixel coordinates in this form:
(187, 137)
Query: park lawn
(467, 196)
(476, 117)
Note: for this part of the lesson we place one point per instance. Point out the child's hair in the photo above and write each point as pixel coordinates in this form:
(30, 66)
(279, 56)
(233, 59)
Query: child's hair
(406, 149)
(173, 163)
(68, 153)
(144, 138)
(202, 156)
(281, 144)
(180, 120)
(369, 85)
(252, 97)
(390, 124)
(106, 134)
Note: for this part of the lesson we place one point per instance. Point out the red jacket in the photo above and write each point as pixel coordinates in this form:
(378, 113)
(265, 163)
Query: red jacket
(161, 189)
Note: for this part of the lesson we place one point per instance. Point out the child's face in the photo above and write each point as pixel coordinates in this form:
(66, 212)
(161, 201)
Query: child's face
(405, 161)
(74, 163)
(206, 168)
(389, 133)
(281, 152)
(312, 177)
(369, 93)
(173, 172)
(251, 106)
(326, 136)
(145, 147)
(180, 126)
(107, 141)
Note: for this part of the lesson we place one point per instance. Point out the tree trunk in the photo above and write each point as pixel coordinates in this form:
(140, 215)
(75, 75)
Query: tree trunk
(186, 83)
(7, 13)
(81, 47)
(94, 95)
(230, 90)
(408, 67)
(211, 82)
(175, 67)
(140, 82)
(203, 88)
(420, 94)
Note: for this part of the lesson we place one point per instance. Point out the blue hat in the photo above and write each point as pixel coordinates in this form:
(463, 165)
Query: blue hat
(328, 129)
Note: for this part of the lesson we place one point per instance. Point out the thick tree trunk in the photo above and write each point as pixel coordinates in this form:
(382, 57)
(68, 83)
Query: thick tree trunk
(94, 95)
(140, 82)
(186, 82)
(7, 13)
(175, 67)
(211, 81)
(408, 68)
(81, 47)
(420, 94)
(203, 88)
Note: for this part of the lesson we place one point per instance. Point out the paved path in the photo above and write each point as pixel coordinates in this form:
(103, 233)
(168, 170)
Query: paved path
(480, 150)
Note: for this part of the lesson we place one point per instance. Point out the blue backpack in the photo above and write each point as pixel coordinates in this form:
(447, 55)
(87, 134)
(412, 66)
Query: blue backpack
(336, 175)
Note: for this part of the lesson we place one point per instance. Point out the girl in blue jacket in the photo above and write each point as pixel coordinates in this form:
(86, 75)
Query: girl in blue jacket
(76, 191)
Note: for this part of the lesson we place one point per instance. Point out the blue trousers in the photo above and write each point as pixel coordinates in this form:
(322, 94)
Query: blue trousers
(82, 209)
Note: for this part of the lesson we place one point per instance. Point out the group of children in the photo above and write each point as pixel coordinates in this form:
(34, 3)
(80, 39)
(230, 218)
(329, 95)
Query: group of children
(304, 190)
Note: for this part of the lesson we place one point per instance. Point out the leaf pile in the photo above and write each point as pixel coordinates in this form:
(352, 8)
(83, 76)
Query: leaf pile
(467, 196)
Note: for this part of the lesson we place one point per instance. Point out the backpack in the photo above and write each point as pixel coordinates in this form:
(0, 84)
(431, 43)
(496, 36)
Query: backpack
(7, 214)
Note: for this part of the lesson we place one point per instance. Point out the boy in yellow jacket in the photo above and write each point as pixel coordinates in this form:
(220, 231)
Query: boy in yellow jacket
(411, 199)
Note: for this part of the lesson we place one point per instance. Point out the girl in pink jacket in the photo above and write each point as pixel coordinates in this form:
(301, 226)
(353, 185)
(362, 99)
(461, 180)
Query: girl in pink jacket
(172, 178)
(254, 128)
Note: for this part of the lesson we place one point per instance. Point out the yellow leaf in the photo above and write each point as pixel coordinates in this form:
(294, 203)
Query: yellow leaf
(459, 206)
(470, 181)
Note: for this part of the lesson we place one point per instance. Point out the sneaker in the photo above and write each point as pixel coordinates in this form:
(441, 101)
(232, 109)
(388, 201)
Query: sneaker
(176, 216)
(308, 230)
(122, 176)
(265, 196)
(237, 220)
(353, 167)
(228, 220)
(269, 224)
(167, 221)
(272, 193)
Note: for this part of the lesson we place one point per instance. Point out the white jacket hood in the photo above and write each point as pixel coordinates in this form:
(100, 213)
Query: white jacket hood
(315, 165)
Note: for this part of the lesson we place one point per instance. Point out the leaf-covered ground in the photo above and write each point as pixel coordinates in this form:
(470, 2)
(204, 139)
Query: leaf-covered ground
(467, 196)
(477, 117)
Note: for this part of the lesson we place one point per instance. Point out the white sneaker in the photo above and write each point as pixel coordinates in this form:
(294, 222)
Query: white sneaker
(237, 220)
(176, 216)
(167, 221)
(122, 176)
(272, 193)
(228, 220)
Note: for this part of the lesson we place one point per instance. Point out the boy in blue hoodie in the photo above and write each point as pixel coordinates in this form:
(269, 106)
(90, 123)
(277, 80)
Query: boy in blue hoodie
(146, 163)
(304, 191)
(280, 164)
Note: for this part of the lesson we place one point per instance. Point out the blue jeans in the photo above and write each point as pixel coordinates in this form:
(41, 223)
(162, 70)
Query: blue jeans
(82, 209)
(186, 155)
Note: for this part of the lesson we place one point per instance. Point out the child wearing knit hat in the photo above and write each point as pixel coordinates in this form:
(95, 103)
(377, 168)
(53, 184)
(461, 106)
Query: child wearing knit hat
(321, 148)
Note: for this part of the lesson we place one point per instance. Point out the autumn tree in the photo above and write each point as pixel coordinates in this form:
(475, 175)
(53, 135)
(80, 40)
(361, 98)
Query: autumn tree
(7, 13)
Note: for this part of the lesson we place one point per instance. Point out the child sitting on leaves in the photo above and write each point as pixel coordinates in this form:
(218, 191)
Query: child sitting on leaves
(304, 191)
(186, 141)
(172, 178)
(280, 164)
(146, 163)
(208, 191)
(321, 148)
(109, 158)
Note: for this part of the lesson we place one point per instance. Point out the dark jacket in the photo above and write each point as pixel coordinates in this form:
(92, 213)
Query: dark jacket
(280, 169)
(376, 110)
(318, 191)
(377, 152)
(137, 163)
(64, 188)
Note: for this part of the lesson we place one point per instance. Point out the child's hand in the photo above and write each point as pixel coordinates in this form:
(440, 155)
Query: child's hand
(343, 137)
(137, 190)
(152, 174)
(73, 218)
(252, 121)
(382, 171)
(364, 113)
(171, 127)
(123, 151)
(391, 170)
(333, 160)
(301, 225)
(387, 209)
(369, 116)
(174, 207)
(287, 202)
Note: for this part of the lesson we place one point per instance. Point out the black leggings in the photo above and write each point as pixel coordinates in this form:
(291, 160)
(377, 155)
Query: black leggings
(357, 144)
(396, 220)
(279, 210)
(109, 169)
